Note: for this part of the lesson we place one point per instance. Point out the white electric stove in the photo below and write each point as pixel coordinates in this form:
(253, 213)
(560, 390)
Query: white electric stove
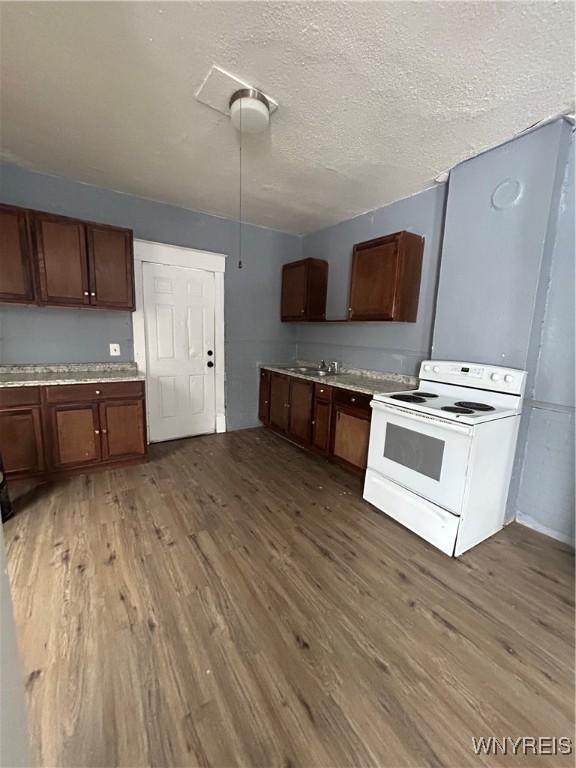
(440, 457)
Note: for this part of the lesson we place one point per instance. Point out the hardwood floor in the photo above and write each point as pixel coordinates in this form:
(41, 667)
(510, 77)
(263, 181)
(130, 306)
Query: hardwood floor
(235, 602)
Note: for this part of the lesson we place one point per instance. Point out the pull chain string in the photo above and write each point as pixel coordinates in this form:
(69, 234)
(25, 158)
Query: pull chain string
(240, 265)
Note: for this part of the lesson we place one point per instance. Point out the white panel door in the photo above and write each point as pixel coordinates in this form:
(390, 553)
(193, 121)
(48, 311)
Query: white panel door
(179, 318)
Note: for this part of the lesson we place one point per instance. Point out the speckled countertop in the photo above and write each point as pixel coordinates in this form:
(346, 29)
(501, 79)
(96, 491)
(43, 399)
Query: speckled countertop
(368, 382)
(67, 373)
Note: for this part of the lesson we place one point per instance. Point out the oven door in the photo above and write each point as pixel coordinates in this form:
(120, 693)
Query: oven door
(425, 454)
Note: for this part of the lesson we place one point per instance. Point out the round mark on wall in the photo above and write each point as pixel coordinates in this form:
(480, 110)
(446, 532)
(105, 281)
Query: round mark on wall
(507, 194)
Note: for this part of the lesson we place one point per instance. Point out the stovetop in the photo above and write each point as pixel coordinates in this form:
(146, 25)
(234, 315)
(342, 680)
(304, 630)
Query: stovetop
(466, 392)
(466, 405)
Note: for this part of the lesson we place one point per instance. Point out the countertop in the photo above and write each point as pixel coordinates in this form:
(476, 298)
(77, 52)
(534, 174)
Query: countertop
(67, 373)
(357, 380)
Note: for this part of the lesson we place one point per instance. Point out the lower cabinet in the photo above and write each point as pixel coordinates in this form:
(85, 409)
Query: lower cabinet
(279, 401)
(122, 429)
(21, 443)
(264, 400)
(321, 425)
(75, 433)
(351, 437)
(331, 420)
(300, 410)
(52, 430)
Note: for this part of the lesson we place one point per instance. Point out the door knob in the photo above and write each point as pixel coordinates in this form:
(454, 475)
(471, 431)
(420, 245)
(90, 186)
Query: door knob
(210, 364)
(210, 353)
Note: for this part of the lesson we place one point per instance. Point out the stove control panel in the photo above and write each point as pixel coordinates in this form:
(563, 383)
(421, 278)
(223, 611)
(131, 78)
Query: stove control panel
(489, 377)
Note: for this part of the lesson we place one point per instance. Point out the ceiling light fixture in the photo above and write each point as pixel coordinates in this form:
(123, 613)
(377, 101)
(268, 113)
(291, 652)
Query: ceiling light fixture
(249, 113)
(249, 110)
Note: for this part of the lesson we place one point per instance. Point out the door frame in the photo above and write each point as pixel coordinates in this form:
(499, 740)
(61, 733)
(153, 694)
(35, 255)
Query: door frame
(178, 256)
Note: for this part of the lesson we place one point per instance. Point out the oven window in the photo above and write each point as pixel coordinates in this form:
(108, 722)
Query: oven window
(414, 450)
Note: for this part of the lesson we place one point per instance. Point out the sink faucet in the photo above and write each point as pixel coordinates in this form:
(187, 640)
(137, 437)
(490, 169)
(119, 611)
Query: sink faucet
(322, 365)
(334, 367)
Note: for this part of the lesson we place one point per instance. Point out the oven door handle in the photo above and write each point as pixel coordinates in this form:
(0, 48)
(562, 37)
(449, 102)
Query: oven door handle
(392, 410)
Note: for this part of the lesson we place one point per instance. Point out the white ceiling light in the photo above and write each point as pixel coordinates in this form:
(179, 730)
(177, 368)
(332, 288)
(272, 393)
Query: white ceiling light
(249, 110)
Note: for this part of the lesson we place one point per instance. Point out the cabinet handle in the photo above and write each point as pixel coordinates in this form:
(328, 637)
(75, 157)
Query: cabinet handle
(265, 402)
(321, 391)
(313, 422)
(98, 392)
(104, 431)
(96, 431)
(93, 293)
(86, 293)
(352, 399)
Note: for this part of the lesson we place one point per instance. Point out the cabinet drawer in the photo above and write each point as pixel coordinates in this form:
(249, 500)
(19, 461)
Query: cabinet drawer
(14, 396)
(322, 392)
(75, 393)
(353, 399)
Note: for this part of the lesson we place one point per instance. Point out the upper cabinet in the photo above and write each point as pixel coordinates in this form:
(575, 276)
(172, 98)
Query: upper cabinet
(385, 282)
(111, 266)
(304, 286)
(62, 262)
(16, 277)
(58, 261)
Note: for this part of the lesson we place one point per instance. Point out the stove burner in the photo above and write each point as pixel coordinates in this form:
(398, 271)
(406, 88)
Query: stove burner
(425, 394)
(475, 406)
(408, 398)
(456, 409)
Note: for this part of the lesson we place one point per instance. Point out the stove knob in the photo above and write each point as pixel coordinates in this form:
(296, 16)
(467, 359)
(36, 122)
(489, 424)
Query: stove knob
(508, 378)
(495, 376)
(426, 367)
(436, 369)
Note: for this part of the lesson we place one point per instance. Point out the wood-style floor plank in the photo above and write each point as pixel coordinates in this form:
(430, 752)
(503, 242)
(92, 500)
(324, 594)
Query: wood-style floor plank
(235, 602)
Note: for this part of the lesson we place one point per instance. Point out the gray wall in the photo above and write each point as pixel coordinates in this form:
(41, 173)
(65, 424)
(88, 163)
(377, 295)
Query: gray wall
(254, 332)
(14, 739)
(379, 346)
(545, 491)
(506, 295)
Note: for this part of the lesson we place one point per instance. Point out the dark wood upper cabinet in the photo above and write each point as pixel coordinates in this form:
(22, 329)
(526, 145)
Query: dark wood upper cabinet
(385, 281)
(301, 397)
(16, 276)
(62, 263)
(279, 401)
(110, 263)
(304, 287)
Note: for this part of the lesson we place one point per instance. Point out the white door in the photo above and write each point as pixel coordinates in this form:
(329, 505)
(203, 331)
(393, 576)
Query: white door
(425, 454)
(180, 365)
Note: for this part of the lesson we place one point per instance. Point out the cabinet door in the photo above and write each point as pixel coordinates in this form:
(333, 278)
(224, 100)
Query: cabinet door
(294, 290)
(21, 442)
(123, 430)
(321, 425)
(16, 283)
(279, 401)
(351, 437)
(300, 411)
(62, 262)
(373, 282)
(264, 399)
(111, 266)
(75, 435)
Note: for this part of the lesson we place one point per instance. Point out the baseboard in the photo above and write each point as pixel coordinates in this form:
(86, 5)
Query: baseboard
(529, 522)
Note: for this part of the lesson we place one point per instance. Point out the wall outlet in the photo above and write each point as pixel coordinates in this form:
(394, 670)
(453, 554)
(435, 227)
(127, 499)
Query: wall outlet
(114, 350)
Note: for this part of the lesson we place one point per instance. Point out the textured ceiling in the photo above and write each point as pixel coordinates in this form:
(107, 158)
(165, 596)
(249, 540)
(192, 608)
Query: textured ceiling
(376, 99)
